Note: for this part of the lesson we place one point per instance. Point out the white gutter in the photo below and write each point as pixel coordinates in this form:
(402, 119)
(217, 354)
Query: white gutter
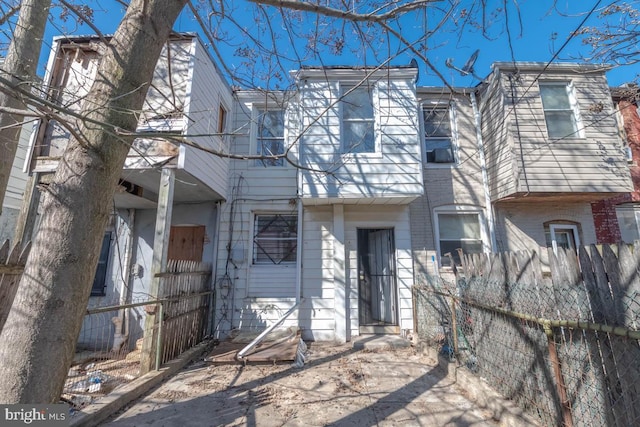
(483, 168)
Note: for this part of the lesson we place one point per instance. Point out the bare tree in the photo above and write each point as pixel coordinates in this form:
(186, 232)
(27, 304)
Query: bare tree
(19, 68)
(38, 338)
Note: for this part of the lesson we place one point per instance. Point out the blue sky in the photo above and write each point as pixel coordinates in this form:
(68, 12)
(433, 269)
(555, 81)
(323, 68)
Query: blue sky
(544, 29)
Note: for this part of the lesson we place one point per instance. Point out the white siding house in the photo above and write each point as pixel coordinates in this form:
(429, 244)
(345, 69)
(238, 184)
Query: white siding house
(326, 231)
(187, 96)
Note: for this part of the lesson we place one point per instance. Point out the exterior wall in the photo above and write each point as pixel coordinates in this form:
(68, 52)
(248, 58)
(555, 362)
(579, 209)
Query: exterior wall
(604, 211)
(520, 226)
(590, 162)
(394, 170)
(15, 188)
(498, 141)
(446, 185)
(206, 92)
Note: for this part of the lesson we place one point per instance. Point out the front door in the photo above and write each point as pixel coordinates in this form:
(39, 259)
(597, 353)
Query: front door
(376, 277)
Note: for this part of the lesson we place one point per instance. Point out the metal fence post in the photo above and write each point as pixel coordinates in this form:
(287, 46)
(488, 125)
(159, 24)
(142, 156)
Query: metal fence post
(159, 342)
(557, 371)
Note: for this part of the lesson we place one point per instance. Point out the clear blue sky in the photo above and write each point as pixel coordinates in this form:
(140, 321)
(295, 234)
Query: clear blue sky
(544, 29)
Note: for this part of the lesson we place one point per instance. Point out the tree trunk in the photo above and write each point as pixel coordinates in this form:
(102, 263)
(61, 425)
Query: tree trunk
(19, 67)
(39, 337)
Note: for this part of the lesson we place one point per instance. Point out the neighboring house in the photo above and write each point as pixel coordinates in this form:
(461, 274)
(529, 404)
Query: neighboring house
(15, 187)
(618, 218)
(552, 147)
(187, 95)
(331, 238)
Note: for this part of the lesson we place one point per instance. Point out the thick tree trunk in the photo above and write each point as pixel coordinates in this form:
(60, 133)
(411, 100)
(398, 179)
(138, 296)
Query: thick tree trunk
(38, 340)
(19, 67)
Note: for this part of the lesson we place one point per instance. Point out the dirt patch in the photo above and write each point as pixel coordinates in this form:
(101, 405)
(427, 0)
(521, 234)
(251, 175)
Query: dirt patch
(337, 387)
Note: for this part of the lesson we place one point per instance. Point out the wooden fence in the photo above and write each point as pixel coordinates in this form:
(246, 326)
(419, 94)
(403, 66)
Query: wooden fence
(12, 261)
(560, 340)
(185, 286)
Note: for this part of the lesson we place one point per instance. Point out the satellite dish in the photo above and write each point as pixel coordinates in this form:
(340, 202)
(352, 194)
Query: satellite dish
(468, 66)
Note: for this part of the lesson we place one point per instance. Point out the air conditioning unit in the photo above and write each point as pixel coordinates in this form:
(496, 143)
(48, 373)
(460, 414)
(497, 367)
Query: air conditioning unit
(443, 155)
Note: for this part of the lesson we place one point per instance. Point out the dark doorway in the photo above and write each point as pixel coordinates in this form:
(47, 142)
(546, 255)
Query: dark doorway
(377, 277)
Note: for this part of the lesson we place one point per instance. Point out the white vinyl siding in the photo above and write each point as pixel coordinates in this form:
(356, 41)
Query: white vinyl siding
(522, 158)
(394, 171)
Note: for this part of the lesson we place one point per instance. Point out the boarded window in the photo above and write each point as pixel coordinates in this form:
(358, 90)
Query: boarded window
(275, 239)
(186, 242)
(358, 120)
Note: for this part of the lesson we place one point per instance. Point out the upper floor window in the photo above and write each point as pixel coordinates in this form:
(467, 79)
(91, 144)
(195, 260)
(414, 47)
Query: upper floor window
(438, 137)
(270, 136)
(222, 119)
(559, 109)
(275, 239)
(358, 122)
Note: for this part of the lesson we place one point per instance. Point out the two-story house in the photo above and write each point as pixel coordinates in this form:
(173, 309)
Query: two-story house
(187, 96)
(552, 146)
(515, 162)
(324, 235)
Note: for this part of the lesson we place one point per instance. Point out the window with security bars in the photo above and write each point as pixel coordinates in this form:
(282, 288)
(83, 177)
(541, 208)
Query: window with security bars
(275, 239)
(270, 137)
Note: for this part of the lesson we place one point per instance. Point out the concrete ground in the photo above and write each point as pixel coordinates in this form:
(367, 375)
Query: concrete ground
(338, 386)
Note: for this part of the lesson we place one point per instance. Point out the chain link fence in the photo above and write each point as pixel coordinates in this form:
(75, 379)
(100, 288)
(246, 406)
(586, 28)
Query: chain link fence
(561, 344)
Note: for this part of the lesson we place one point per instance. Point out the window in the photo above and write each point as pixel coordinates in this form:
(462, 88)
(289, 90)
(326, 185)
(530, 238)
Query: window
(437, 134)
(559, 111)
(270, 137)
(275, 239)
(628, 220)
(358, 123)
(562, 235)
(222, 119)
(458, 230)
(100, 280)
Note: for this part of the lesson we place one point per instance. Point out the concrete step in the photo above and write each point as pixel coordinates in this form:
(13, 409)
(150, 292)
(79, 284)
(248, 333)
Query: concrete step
(380, 342)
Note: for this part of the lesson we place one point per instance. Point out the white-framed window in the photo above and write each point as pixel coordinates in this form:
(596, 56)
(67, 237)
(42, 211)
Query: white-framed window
(560, 109)
(275, 238)
(562, 235)
(628, 216)
(358, 119)
(269, 135)
(437, 120)
(458, 227)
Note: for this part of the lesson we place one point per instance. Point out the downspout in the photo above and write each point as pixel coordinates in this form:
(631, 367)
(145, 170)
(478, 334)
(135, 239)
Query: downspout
(242, 353)
(483, 168)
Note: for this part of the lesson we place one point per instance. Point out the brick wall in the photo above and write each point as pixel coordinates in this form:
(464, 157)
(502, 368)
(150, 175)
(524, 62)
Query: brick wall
(604, 213)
